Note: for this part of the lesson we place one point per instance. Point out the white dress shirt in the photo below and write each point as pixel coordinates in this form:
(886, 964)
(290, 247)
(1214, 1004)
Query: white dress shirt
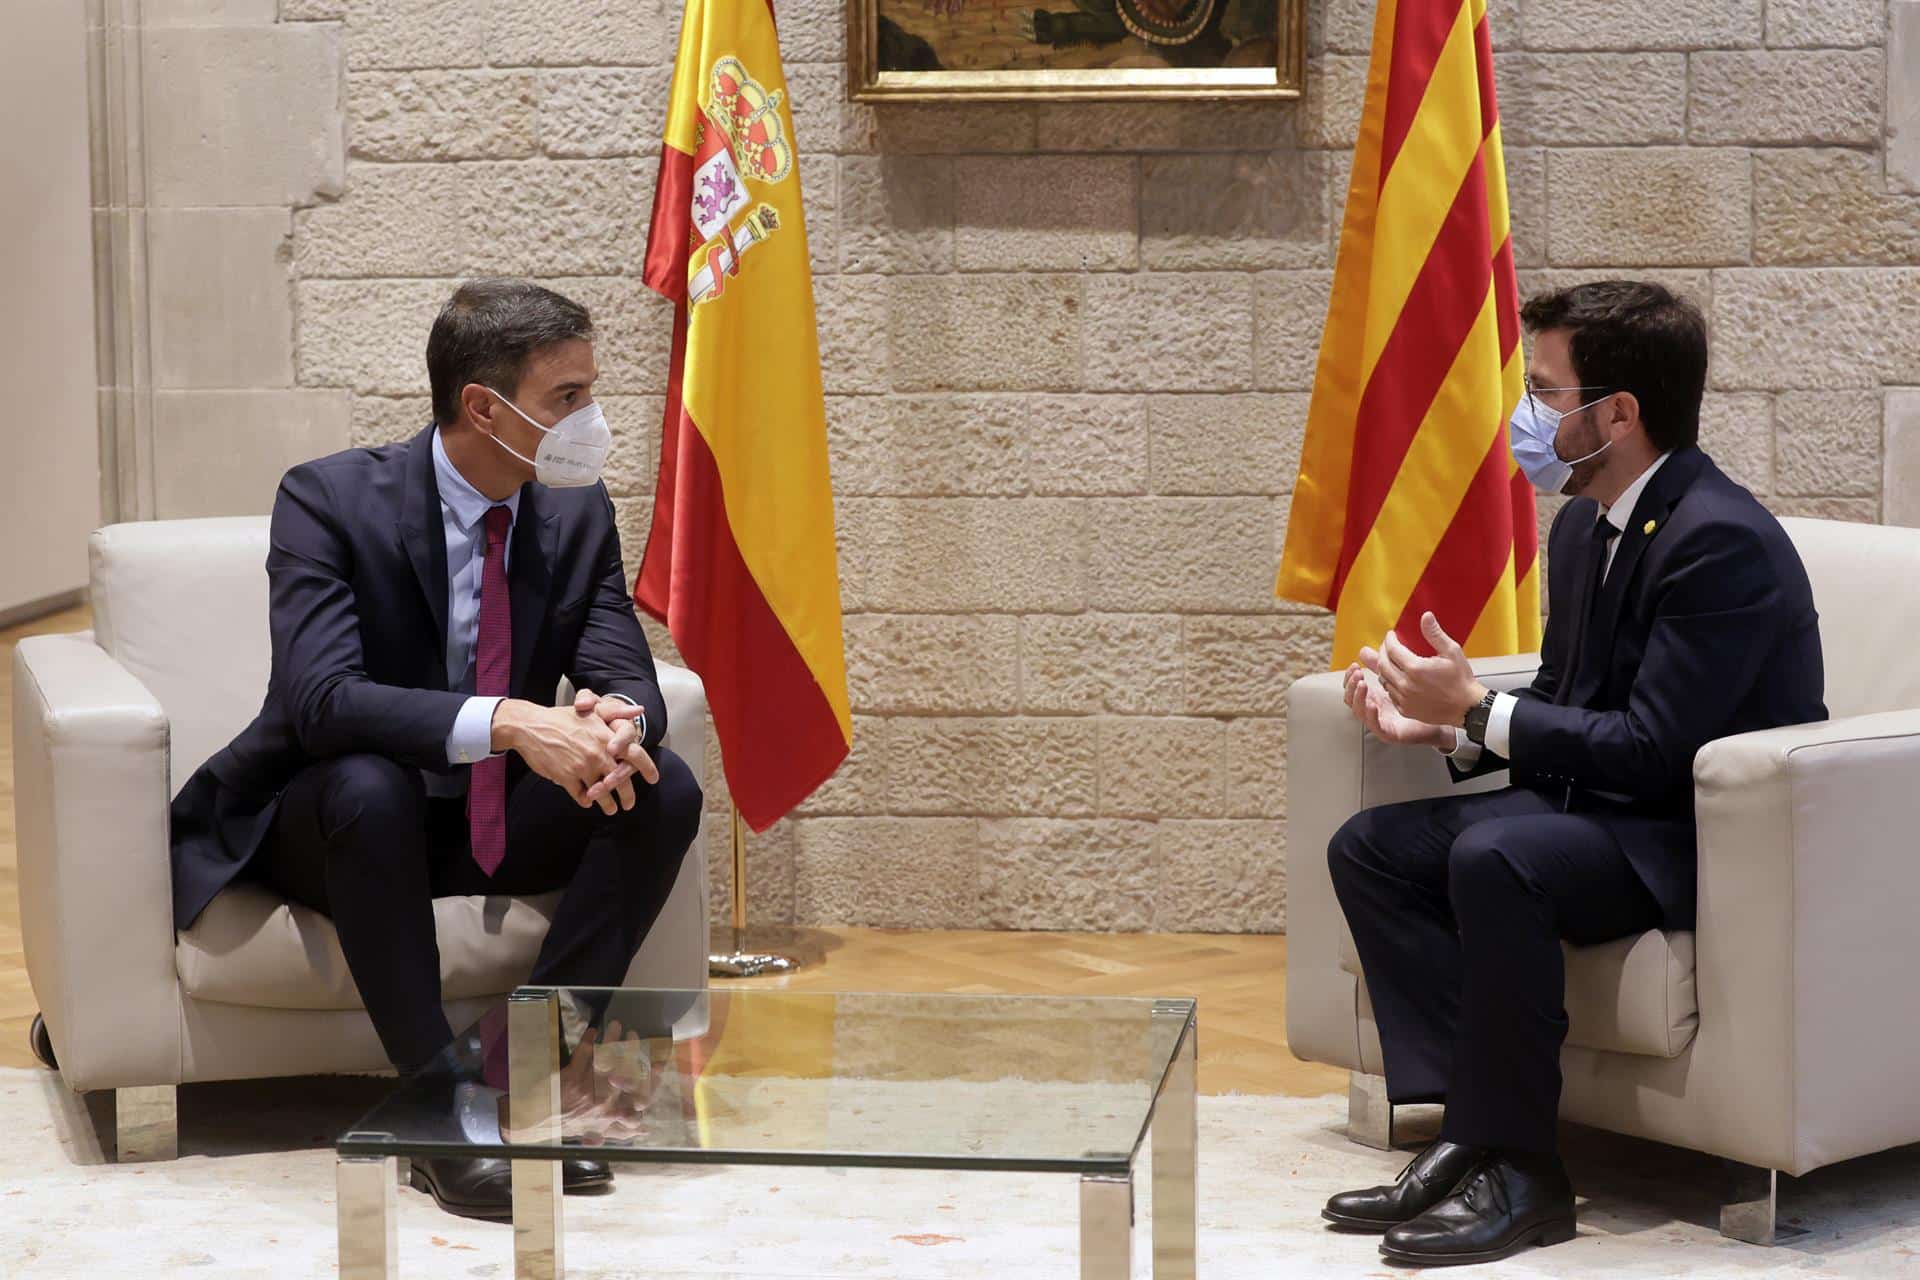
(1499, 735)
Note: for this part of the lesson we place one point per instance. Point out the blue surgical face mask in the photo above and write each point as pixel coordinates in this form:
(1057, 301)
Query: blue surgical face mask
(1531, 431)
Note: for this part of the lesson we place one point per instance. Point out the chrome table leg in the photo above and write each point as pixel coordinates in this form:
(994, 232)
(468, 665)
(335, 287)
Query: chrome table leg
(1106, 1227)
(1176, 1144)
(368, 1226)
(533, 1109)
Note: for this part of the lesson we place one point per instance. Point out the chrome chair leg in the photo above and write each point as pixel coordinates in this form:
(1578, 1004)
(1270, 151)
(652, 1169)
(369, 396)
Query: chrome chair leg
(1369, 1114)
(146, 1123)
(1750, 1211)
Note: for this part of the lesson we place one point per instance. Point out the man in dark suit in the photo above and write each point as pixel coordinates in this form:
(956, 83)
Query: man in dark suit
(426, 599)
(1679, 613)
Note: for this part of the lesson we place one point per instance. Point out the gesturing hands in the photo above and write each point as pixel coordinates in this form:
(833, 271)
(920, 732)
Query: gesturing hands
(1371, 706)
(590, 750)
(1402, 697)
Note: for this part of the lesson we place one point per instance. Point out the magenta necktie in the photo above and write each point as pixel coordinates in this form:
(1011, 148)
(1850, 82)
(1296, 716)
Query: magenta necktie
(493, 664)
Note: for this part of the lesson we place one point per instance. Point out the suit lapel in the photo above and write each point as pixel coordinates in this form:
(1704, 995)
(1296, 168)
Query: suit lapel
(424, 536)
(536, 536)
(1644, 524)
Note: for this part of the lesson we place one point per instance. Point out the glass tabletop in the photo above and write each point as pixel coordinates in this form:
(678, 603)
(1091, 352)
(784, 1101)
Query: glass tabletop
(1036, 1083)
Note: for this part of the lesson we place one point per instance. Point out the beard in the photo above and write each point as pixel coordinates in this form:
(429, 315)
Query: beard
(1589, 444)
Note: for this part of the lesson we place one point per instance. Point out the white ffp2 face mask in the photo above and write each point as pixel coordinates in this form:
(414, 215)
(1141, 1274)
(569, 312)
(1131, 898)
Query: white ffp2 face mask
(572, 451)
(1531, 431)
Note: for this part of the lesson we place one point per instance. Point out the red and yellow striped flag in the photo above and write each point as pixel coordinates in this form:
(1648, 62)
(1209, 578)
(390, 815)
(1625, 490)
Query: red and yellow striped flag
(741, 562)
(1408, 497)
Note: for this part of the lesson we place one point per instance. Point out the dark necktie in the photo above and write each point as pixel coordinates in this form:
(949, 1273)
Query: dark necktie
(493, 664)
(1602, 534)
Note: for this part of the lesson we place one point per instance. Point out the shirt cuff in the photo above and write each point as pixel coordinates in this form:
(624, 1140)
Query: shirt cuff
(472, 735)
(1500, 725)
(1466, 752)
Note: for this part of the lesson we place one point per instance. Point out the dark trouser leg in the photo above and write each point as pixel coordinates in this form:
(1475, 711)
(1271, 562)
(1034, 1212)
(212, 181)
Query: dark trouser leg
(1389, 867)
(350, 841)
(617, 869)
(1517, 886)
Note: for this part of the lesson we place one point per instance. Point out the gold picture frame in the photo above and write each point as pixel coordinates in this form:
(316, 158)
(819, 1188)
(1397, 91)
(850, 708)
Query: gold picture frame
(1119, 37)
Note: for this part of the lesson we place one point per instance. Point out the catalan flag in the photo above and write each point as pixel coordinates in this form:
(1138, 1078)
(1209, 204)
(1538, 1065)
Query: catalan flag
(740, 563)
(1408, 498)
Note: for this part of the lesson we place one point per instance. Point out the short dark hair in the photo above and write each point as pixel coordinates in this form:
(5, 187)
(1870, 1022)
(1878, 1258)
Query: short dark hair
(1629, 335)
(486, 332)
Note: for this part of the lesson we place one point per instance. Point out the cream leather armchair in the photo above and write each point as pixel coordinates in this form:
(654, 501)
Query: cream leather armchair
(106, 726)
(1779, 1034)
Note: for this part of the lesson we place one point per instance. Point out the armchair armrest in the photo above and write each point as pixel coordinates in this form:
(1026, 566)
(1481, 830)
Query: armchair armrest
(96, 896)
(1806, 946)
(1334, 770)
(674, 954)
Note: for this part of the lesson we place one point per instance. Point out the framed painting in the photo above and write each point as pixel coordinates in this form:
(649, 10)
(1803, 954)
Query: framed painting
(1013, 50)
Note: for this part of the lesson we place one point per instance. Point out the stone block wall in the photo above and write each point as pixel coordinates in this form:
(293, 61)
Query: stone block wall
(1067, 354)
(212, 123)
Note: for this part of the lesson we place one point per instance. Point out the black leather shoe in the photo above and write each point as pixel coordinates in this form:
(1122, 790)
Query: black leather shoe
(580, 1177)
(1426, 1181)
(469, 1187)
(41, 1043)
(1507, 1204)
(483, 1188)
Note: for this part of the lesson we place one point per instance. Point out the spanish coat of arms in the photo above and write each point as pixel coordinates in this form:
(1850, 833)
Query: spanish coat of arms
(740, 141)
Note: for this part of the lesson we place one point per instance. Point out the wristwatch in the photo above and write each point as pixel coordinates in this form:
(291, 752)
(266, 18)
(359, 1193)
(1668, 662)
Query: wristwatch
(1476, 722)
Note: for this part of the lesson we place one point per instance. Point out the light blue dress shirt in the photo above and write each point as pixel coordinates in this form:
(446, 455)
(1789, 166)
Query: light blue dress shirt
(463, 511)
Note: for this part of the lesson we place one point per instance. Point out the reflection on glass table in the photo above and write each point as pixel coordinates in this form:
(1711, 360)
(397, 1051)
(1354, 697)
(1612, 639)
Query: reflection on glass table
(1007, 1083)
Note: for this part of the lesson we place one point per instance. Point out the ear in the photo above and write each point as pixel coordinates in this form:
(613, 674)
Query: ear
(477, 405)
(1623, 414)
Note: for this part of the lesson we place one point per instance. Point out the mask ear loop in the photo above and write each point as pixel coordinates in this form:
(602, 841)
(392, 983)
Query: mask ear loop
(530, 422)
(1574, 462)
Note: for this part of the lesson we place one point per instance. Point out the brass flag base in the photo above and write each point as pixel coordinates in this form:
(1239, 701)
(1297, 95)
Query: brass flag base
(743, 960)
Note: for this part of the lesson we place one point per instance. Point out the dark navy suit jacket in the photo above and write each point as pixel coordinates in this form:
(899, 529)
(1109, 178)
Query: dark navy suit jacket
(357, 577)
(1704, 627)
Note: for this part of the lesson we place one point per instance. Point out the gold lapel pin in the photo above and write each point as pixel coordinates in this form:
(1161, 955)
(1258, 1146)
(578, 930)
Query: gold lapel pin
(1649, 526)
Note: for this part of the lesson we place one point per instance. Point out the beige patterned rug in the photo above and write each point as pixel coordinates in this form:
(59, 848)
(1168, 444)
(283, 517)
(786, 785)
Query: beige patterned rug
(252, 1195)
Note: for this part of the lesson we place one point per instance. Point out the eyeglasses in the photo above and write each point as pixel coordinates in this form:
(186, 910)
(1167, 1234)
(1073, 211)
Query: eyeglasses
(1526, 383)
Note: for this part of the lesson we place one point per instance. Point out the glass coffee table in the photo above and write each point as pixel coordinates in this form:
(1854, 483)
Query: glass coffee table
(1033, 1084)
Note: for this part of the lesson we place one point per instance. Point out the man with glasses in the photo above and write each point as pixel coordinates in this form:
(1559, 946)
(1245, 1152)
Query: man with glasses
(1678, 613)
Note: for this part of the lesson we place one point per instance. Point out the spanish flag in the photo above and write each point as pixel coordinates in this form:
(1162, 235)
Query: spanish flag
(740, 563)
(1408, 497)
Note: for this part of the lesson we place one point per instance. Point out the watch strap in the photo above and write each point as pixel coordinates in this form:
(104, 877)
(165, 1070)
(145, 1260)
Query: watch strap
(1477, 717)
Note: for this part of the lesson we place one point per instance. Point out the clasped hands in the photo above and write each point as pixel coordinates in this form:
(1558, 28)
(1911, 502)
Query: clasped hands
(1404, 698)
(591, 750)
(604, 1090)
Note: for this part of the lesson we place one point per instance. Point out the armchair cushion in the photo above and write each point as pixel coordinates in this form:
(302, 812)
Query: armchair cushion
(1632, 995)
(252, 947)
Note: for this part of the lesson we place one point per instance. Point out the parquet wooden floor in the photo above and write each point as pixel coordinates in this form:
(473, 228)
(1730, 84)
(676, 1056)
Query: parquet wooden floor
(1240, 981)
